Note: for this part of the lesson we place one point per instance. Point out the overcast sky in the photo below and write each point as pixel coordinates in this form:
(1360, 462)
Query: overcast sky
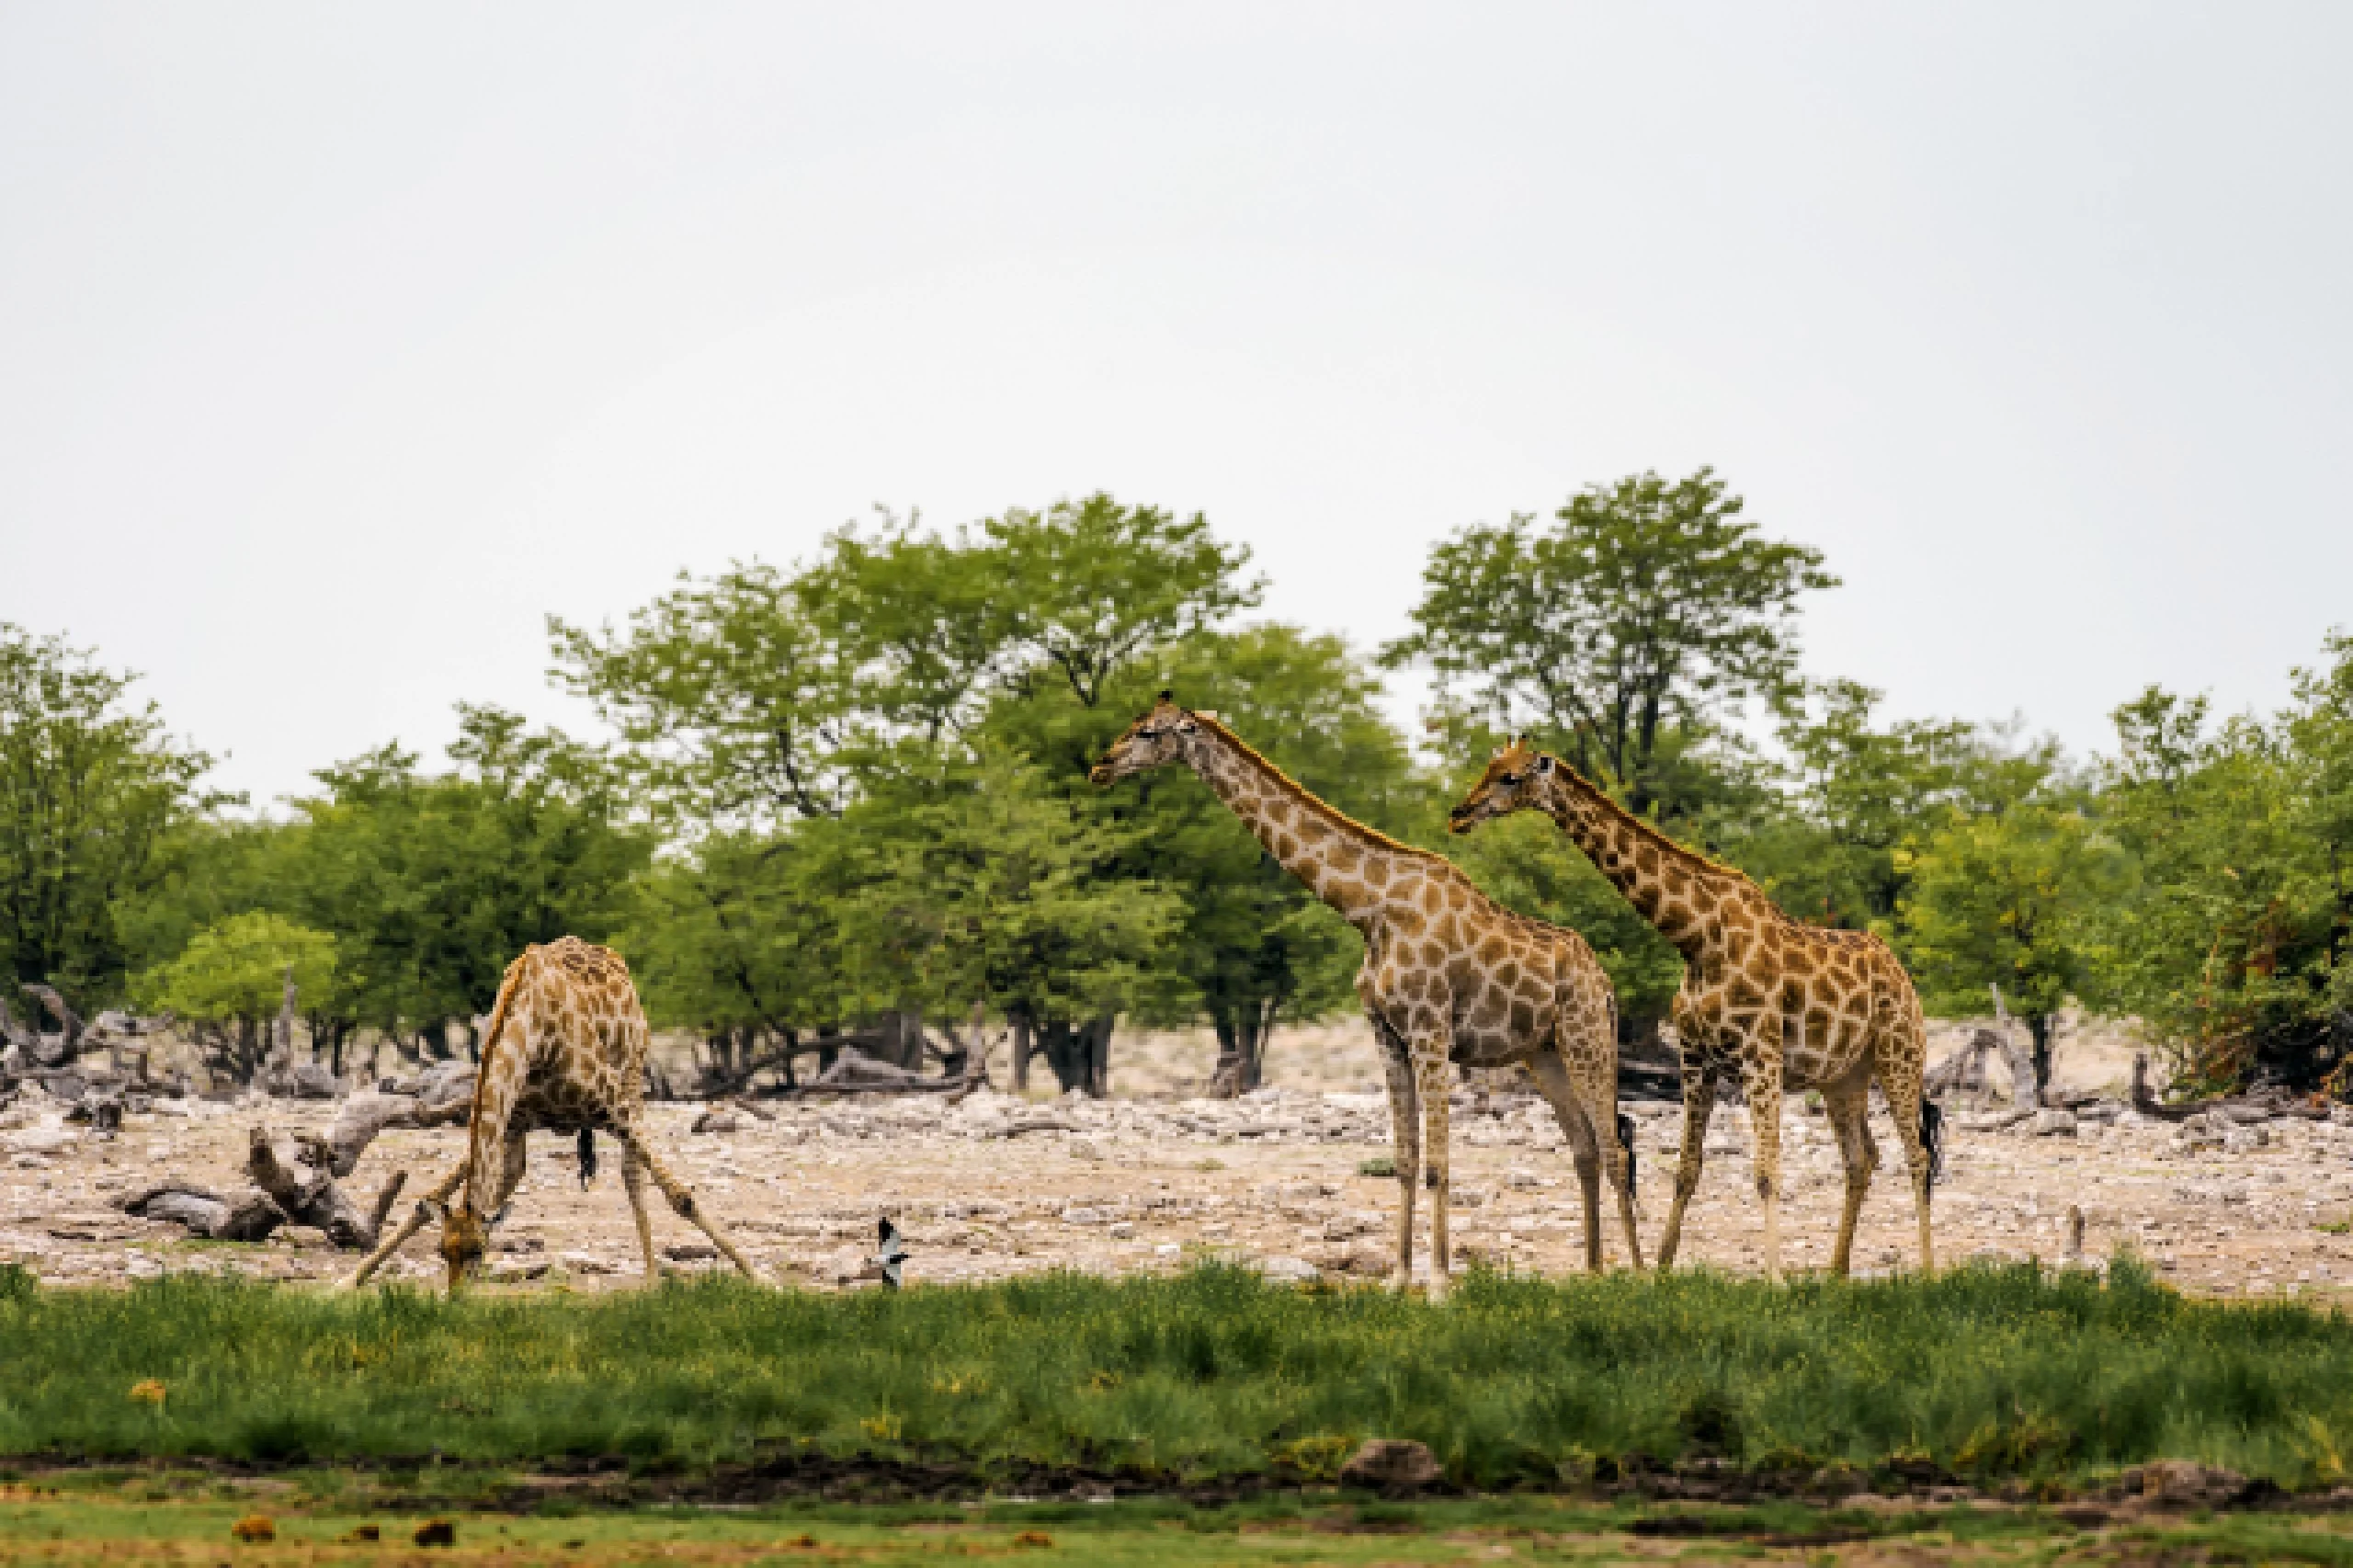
(339, 346)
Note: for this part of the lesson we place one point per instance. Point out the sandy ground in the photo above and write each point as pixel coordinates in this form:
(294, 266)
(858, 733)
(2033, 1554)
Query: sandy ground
(1150, 1179)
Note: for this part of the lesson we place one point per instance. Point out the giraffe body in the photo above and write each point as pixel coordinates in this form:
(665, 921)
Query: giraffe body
(1450, 978)
(564, 1051)
(1776, 1004)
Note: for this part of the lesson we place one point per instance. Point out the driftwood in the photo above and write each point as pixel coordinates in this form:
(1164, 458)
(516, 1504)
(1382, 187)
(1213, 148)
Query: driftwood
(1963, 1073)
(304, 1190)
(1021, 1124)
(248, 1216)
(2258, 1105)
(855, 1073)
(436, 1099)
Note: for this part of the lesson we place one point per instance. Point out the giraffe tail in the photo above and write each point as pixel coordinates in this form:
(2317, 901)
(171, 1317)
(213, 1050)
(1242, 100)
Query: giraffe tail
(1626, 1138)
(1932, 1139)
(588, 1157)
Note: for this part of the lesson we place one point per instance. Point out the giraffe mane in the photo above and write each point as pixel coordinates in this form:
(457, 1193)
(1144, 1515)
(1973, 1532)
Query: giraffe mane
(1651, 834)
(1315, 802)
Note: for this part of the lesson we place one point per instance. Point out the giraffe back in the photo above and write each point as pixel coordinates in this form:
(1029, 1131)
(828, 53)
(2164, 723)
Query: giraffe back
(567, 1037)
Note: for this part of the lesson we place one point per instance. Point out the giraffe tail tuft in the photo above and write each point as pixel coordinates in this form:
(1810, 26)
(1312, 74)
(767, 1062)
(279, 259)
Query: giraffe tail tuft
(588, 1157)
(1932, 1139)
(1626, 1138)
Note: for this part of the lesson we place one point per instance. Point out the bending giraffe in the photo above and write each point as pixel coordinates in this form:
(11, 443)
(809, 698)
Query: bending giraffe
(1448, 975)
(1783, 1005)
(565, 1049)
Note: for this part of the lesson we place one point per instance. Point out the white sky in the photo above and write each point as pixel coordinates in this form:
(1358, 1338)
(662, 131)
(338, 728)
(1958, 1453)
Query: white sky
(339, 346)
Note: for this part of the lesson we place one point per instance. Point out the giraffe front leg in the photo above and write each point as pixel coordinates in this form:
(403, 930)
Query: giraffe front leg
(633, 1184)
(681, 1196)
(1432, 1070)
(1406, 1138)
(1900, 1081)
(1699, 1106)
(421, 1213)
(1849, 1106)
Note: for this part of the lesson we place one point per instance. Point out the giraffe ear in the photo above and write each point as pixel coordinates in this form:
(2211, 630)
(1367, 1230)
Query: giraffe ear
(439, 1209)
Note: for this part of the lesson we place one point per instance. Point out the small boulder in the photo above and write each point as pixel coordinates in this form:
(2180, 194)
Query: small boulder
(1288, 1271)
(1391, 1464)
(2182, 1484)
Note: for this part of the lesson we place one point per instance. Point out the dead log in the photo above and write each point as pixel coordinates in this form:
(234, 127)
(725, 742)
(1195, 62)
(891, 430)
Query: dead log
(440, 1097)
(308, 1196)
(248, 1216)
(1963, 1072)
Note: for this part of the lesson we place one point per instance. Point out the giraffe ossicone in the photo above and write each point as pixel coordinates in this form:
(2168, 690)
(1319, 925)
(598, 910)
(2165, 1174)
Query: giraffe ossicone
(1450, 977)
(1780, 1003)
(565, 1049)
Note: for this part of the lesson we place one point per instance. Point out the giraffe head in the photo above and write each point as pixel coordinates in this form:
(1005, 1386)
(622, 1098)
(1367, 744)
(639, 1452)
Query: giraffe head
(1518, 777)
(465, 1236)
(1158, 738)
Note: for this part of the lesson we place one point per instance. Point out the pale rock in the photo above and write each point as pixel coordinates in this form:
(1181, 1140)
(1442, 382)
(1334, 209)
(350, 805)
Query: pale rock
(1287, 1270)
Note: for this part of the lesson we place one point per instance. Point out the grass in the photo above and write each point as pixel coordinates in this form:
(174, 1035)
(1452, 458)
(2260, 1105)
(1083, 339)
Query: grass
(1993, 1375)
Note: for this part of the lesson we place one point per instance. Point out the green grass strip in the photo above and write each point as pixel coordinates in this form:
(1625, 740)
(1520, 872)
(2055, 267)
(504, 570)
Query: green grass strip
(1991, 1373)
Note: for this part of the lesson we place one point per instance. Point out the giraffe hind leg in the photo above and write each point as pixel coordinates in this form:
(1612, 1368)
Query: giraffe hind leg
(633, 1184)
(680, 1197)
(1553, 1081)
(1431, 1067)
(1848, 1104)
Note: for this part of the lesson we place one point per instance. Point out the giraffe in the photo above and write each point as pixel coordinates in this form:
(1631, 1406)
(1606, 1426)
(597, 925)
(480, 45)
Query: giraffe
(1449, 976)
(1782, 1004)
(564, 1049)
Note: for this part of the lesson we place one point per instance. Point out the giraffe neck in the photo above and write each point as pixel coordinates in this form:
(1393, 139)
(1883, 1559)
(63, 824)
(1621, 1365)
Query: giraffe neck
(495, 1086)
(1343, 862)
(1676, 892)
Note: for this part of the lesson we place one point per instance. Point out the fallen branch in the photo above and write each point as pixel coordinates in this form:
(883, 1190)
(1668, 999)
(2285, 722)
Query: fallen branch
(248, 1216)
(1021, 1124)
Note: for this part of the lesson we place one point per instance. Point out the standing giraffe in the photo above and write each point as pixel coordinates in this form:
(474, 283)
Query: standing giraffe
(1448, 975)
(566, 1049)
(1782, 1004)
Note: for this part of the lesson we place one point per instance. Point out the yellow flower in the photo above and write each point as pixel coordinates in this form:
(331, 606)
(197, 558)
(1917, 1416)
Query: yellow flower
(148, 1390)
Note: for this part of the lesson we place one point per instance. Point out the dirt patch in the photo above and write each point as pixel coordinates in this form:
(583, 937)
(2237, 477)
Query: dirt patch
(1146, 1181)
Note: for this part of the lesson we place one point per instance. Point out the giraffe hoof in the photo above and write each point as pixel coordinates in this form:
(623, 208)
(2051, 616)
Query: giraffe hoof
(1401, 1280)
(1437, 1290)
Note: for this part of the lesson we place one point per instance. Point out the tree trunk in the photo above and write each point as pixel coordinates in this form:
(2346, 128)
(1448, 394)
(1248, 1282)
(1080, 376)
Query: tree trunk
(1020, 1053)
(1098, 1034)
(2041, 1027)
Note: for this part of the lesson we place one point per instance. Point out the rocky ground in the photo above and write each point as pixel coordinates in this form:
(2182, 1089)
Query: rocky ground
(999, 1186)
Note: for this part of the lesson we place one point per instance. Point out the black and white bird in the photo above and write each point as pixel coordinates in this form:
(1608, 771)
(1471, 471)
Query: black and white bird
(893, 1254)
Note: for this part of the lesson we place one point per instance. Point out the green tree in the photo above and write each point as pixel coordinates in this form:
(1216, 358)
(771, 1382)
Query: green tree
(733, 699)
(1848, 793)
(1090, 586)
(993, 888)
(740, 937)
(89, 785)
(2009, 900)
(432, 883)
(1648, 605)
(231, 980)
(2231, 948)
